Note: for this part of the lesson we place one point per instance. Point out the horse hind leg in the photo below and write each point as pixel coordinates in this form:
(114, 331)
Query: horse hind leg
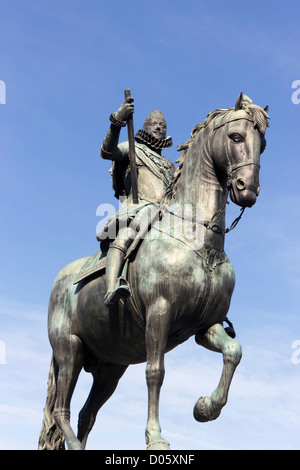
(69, 357)
(216, 339)
(106, 378)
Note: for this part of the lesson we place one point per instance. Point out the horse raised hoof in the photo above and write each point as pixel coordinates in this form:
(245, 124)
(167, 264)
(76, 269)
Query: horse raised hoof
(205, 411)
(159, 445)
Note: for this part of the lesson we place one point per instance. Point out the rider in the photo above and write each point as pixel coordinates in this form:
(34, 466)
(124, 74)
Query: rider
(154, 174)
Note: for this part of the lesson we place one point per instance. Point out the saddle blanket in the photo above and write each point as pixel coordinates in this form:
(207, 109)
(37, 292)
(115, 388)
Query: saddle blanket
(97, 264)
(94, 264)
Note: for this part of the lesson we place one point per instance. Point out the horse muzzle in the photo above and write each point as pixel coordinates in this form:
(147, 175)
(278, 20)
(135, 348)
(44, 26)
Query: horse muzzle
(244, 187)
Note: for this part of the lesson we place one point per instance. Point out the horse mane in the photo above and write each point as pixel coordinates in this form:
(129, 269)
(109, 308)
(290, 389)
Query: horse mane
(260, 119)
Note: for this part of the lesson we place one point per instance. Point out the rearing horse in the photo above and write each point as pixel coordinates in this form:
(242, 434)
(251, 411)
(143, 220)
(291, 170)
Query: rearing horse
(177, 291)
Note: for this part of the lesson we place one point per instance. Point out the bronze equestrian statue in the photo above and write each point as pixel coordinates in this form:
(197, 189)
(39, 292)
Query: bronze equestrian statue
(177, 291)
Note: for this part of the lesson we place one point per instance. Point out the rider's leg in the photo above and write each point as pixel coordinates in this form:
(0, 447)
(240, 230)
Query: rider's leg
(117, 287)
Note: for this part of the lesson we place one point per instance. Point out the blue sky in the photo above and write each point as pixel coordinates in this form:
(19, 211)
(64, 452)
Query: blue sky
(65, 65)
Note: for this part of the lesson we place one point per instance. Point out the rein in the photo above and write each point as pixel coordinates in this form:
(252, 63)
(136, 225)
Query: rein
(209, 224)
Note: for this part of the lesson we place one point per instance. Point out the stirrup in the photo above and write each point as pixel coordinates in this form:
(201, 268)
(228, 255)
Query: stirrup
(122, 291)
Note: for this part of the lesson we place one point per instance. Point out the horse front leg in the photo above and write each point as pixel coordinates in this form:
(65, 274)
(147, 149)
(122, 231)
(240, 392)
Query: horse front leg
(157, 327)
(216, 339)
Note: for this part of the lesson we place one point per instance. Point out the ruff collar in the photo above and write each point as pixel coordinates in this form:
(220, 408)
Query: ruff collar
(143, 137)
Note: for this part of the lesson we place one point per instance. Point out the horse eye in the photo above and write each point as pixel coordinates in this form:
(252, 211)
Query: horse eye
(236, 137)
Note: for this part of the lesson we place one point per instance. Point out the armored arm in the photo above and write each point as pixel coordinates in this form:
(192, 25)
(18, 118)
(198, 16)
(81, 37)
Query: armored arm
(109, 148)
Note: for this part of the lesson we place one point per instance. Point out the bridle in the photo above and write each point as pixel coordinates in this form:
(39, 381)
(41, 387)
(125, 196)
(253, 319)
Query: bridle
(232, 168)
(211, 224)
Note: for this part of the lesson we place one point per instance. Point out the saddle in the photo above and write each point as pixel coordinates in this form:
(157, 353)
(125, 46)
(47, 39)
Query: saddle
(94, 264)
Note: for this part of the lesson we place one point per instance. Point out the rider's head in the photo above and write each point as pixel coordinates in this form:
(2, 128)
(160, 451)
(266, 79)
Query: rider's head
(154, 132)
(155, 124)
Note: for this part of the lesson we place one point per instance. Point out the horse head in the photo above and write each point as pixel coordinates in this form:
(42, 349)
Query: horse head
(238, 142)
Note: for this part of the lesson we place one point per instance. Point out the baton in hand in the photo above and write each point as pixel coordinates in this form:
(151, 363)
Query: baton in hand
(132, 163)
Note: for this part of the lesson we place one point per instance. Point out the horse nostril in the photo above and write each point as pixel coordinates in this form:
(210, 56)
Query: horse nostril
(240, 184)
(258, 190)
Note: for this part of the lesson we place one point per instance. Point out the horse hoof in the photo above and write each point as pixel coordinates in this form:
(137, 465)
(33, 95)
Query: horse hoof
(159, 445)
(204, 410)
(75, 445)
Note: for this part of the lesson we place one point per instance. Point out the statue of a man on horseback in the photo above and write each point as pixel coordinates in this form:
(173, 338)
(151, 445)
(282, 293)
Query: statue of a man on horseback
(177, 290)
(153, 175)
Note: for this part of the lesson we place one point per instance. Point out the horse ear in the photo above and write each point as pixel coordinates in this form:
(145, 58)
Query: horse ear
(266, 109)
(238, 104)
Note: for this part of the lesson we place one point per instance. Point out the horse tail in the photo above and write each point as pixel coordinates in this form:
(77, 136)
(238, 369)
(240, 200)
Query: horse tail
(51, 437)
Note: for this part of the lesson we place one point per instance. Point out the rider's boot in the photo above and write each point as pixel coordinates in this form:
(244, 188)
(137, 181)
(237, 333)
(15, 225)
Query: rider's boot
(117, 286)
